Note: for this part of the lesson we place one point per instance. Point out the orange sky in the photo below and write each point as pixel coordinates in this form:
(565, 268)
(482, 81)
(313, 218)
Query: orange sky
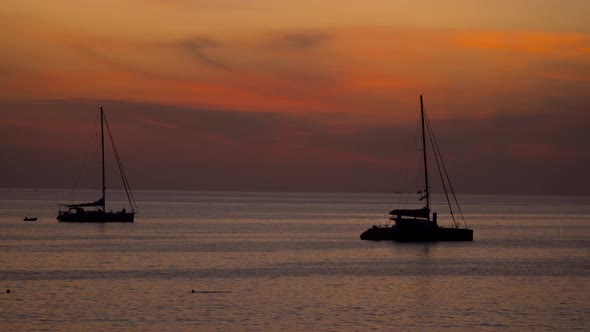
(346, 65)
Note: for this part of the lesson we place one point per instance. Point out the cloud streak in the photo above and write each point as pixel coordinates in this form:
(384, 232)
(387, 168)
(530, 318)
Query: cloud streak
(199, 48)
(220, 149)
(303, 40)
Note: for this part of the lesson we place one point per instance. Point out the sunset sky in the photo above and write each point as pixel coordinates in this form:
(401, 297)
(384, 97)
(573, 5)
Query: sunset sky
(298, 95)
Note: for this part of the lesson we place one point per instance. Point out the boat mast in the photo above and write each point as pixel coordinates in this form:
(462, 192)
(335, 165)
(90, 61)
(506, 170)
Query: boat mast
(427, 192)
(102, 148)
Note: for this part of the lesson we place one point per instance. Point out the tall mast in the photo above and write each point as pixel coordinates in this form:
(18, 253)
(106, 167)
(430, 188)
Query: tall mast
(102, 148)
(426, 189)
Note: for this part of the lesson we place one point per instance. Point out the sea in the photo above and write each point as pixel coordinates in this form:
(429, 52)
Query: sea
(277, 261)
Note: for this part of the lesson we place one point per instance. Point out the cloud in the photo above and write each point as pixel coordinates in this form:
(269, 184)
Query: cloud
(573, 71)
(199, 48)
(348, 70)
(553, 44)
(303, 40)
(152, 59)
(121, 58)
(191, 148)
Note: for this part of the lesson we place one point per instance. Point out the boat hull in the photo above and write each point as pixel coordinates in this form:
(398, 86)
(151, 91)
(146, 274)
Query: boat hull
(379, 233)
(417, 234)
(454, 234)
(97, 217)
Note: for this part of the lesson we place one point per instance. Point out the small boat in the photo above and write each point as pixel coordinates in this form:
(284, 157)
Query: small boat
(30, 219)
(98, 213)
(418, 225)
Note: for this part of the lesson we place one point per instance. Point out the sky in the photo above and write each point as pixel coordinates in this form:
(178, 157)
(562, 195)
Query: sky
(297, 95)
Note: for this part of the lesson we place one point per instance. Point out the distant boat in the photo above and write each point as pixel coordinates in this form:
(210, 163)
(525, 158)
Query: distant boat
(99, 213)
(417, 225)
(30, 219)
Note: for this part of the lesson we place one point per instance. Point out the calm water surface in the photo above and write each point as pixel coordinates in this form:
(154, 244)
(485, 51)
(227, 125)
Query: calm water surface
(284, 261)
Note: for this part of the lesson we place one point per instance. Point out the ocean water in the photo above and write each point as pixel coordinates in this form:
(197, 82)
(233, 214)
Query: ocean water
(291, 261)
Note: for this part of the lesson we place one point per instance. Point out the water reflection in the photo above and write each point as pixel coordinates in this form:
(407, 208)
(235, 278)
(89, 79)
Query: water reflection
(290, 262)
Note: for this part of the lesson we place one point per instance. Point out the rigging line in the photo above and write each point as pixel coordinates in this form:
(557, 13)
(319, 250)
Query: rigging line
(436, 157)
(130, 197)
(448, 179)
(128, 191)
(126, 184)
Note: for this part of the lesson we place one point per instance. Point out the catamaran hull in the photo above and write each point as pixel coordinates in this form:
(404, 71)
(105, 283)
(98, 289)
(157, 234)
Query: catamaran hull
(97, 217)
(377, 233)
(454, 234)
(380, 233)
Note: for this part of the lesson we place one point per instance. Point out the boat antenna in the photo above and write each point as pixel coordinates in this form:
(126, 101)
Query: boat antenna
(426, 190)
(104, 187)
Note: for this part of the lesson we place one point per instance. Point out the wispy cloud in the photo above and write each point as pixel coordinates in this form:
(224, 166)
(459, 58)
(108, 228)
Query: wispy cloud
(553, 44)
(200, 48)
(107, 53)
(303, 40)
